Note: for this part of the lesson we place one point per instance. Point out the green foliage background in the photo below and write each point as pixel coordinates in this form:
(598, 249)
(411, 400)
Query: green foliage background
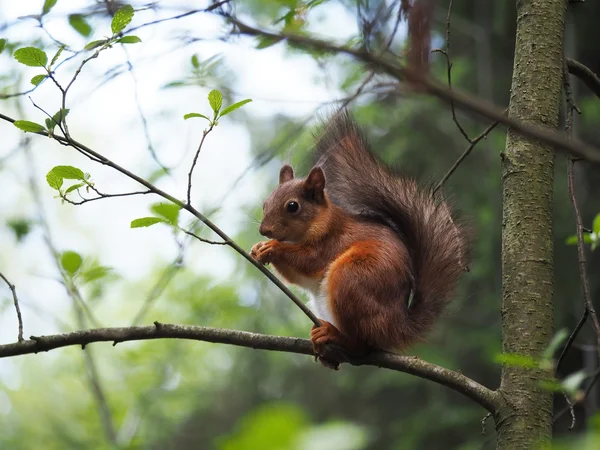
(180, 395)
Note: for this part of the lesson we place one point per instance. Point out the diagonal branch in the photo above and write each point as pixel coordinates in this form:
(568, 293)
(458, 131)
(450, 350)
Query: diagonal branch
(97, 157)
(466, 153)
(461, 100)
(485, 397)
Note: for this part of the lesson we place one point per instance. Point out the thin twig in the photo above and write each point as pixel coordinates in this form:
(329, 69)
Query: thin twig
(579, 222)
(466, 153)
(206, 241)
(102, 196)
(189, 188)
(483, 421)
(483, 396)
(446, 53)
(585, 74)
(95, 381)
(180, 16)
(571, 339)
(13, 289)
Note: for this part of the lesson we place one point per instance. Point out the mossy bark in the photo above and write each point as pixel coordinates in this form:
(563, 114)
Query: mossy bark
(527, 251)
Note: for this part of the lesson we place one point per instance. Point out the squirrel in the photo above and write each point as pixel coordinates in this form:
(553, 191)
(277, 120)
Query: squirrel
(379, 255)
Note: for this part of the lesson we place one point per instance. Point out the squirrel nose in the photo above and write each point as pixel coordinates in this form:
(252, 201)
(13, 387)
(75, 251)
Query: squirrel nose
(265, 230)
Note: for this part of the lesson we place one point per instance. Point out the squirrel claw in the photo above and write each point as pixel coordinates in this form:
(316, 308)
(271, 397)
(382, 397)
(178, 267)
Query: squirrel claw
(326, 334)
(263, 251)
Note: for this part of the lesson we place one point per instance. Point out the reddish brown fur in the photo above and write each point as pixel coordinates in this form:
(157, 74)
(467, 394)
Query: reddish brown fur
(364, 239)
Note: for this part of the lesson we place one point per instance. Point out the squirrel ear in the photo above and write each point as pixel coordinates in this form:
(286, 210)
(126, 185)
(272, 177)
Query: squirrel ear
(314, 185)
(286, 174)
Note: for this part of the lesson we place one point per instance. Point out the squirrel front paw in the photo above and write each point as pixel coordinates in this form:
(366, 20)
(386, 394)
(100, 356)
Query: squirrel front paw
(264, 251)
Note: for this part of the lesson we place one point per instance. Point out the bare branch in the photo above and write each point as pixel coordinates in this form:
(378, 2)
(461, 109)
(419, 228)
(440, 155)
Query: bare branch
(446, 53)
(206, 241)
(212, 7)
(579, 222)
(189, 188)
(102, 196)
(572, 337)
(461, 100)
(13, 289)
(466, 153)
(585, 74)
(485, 397)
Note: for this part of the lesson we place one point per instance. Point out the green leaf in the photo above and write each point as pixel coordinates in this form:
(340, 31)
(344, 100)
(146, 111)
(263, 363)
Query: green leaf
(54, 181)
(71, 262)
(92, 45)
(122, 18)
(556, 341)
(55, 57)
(2, 45)
(146, 222)
(266, 42)
(48, 5)
(169, 211)
(58, 118)
(38, 79)
(129, 40)
(587, 239)
(215, 98)
(157, 174)
(235, 106)
(74, 187)
(190, 115)
(68, 172)
(95, 273)
(596, 226)
(572, 383)
(195, 62)
(513, 359)
(20, 227)
(552, 385)
(26, 125)
(78, 22)
(31, 56)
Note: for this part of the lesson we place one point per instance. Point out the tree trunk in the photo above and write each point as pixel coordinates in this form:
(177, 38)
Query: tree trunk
(527, 251)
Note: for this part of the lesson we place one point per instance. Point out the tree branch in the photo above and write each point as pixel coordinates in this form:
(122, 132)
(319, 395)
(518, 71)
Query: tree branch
(97, 157)
(485, 397)
(466, 153)
(461, 100)
(585, 74)
(13, 289)
(589, 305)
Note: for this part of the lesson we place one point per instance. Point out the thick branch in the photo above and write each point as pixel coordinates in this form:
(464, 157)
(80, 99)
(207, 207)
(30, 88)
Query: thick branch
(461, 100)
(485, 397)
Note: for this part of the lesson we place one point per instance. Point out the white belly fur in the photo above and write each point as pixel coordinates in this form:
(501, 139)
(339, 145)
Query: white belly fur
(318, 293)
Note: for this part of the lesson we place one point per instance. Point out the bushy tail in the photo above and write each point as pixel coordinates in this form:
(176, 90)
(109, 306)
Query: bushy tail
(359, 183)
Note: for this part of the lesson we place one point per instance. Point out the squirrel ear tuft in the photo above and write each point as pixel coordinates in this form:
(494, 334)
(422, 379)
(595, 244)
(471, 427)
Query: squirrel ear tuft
(286, 174)
(314, 185)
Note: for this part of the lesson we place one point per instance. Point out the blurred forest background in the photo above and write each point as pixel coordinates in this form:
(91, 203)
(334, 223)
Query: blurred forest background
(128, 104)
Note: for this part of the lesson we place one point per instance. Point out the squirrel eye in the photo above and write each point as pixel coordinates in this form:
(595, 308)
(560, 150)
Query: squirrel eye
(292, 207)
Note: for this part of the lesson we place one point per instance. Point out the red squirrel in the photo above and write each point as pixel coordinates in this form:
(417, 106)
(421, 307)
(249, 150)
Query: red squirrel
(379, 255)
